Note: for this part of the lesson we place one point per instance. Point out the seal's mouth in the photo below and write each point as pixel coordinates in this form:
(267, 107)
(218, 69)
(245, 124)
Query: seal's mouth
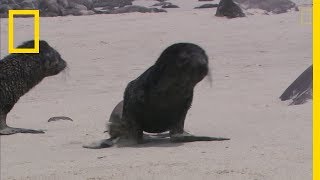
(199, 69)
(63, 65)
(56, 69)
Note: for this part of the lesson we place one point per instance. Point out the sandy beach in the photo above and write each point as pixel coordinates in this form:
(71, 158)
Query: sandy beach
(253, 60)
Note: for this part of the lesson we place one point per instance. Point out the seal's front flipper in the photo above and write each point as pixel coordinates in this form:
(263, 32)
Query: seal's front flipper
(10, 130)
(186, 137)
(105, 143)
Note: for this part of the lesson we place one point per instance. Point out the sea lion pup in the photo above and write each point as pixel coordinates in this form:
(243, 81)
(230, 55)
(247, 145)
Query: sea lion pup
(21, 72)
(159, 99)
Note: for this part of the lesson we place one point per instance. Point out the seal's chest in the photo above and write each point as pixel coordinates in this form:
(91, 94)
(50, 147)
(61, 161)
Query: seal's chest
(157, 119)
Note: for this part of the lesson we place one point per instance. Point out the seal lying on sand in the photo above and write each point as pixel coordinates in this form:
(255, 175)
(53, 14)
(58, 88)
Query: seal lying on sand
(159, 99)
(21, 72)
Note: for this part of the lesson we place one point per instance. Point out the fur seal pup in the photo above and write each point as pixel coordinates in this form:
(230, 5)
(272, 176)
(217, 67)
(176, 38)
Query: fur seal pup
(159, 99)
(21, 72)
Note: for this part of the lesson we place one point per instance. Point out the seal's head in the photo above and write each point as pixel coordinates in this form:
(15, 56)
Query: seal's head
(183, 63)
(51, 60)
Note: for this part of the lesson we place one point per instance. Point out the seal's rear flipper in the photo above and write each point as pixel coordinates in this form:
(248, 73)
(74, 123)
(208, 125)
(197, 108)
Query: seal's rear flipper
(179, 138)
(105, 143)
(10, 130)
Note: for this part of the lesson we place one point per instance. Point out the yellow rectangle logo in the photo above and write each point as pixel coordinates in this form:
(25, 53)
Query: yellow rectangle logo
(11, 48)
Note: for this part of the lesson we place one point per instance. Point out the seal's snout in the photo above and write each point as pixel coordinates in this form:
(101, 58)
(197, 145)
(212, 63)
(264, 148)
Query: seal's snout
(63, 64)
(56, 66)
(199, 61)
(199, 64)
(60, 66)
(202, 61)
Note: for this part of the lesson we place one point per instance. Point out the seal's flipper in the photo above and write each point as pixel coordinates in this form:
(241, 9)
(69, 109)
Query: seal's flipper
(105, 143)
(11, 130)
(186, 137)
(7, 130)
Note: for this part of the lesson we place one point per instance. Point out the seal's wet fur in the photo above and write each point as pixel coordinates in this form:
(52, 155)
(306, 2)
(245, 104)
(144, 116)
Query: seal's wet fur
(159, 99)
(21, 72)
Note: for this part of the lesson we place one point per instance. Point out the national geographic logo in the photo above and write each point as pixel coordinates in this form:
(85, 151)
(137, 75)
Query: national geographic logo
(34, 13)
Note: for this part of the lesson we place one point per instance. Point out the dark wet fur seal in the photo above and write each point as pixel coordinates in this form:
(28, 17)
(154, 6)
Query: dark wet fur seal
(229, 9)
(21, 72)
(159, 99)
(300, 91)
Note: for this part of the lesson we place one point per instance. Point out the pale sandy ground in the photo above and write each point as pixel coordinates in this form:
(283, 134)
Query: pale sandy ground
(253, 60)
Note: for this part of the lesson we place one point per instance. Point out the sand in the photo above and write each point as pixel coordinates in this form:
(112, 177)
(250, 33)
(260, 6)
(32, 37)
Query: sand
(253, 60)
